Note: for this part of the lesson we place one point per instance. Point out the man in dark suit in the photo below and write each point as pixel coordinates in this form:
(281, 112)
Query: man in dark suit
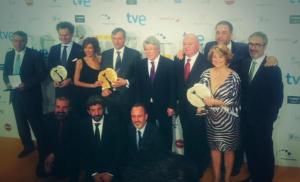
(188, 73)
(156, 88)
(65, 54)
(123, 60)
(26, 98)
(102, 143)
(262, 96)
(144, 139)
(61, 149)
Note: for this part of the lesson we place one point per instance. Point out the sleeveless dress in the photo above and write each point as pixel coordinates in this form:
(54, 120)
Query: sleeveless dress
(87, 75)
(223, 122)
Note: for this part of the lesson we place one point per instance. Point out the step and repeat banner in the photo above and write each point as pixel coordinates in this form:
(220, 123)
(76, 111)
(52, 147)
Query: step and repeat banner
(168, 20)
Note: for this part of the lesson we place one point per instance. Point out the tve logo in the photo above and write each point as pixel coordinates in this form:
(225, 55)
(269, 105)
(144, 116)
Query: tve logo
(84, 3)
(292, 79)
(6, 35)
(136, 19)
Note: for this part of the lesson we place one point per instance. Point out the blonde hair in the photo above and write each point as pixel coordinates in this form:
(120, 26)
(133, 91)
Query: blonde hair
(222, 50)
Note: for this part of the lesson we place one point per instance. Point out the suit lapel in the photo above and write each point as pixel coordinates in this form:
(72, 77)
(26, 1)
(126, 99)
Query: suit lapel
(25, 59)
(259, 71)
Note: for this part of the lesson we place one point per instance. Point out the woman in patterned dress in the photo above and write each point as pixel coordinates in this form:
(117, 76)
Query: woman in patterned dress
(223, 110)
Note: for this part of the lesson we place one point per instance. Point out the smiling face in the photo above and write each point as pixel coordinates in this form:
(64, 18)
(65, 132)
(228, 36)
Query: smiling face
(139, 117)
(19, 42)
(89, 50)
(151, 51)
(218, 60)
(190, 45)
(257, 47)
(96, 112)
(223, 34)
(65, 36)
(118, 40)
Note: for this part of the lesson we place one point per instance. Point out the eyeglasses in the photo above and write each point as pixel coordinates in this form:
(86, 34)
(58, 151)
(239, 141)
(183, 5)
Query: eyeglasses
(256, 45)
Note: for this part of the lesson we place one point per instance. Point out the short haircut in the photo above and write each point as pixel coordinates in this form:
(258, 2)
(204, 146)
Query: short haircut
(94, 100)
(227, 23)
(152, 40)
(221, 49)
(21, 34)
(63, 98)
(65, 25)
(94, 42)
(117, 30)
(140, 105)
(260, 34)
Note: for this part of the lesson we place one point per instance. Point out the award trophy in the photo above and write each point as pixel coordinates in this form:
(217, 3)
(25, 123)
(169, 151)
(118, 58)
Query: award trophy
(58, 74)
(107, 76)
(195, 96)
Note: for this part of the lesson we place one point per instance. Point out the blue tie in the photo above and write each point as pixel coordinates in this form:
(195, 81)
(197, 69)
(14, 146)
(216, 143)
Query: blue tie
(17, 65)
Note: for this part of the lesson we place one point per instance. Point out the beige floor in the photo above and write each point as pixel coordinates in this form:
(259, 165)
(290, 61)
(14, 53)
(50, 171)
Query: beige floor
(13, 169)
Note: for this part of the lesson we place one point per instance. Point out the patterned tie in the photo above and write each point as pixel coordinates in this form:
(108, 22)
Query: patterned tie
(64, 56)
(17, 65)
(118, 62)
(139, 139)
(187, 69)
(251, 72)
(152, 71)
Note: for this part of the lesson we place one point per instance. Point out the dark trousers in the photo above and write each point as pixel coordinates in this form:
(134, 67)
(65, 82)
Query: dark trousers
(195, 140)
(259, 151)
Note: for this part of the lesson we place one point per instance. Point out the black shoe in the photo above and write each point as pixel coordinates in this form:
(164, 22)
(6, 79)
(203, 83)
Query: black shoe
(40, 172)
(25, 152)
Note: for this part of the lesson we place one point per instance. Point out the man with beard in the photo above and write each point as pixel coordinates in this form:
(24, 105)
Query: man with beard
(60, 148)
(101, 142)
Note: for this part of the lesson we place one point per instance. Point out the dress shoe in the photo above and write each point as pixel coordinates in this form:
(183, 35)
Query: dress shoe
(25, 152)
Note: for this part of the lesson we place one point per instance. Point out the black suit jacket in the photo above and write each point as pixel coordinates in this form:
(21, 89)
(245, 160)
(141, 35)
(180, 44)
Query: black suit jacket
(107, 158)
(162, 90)
(240, 52)
(32, 73)
(151, 144)
(67, 146)
(127, 71)
(263, 96)
(54, 58)
(199, 66)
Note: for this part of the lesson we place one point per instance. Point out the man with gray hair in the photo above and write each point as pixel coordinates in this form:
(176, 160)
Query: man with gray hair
(262, 96)
(156, 88)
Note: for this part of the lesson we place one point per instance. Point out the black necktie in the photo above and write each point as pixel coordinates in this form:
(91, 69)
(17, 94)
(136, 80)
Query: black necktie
(152, 71)
(139, 143)
(97, 133)
(118, 62)
(64, 56)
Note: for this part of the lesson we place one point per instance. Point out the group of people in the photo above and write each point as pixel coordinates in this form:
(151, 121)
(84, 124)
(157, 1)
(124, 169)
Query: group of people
(104, 130)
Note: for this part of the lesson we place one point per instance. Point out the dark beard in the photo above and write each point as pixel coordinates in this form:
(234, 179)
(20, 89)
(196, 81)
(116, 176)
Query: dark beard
(60, 115)
(97, 118)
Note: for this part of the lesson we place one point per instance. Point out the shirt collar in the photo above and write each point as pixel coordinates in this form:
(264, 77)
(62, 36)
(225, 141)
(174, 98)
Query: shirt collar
(229, 46)
(260, 59)
(68, 45)
(21, 52)
(120, 50)
(155, 60)
(142, 129)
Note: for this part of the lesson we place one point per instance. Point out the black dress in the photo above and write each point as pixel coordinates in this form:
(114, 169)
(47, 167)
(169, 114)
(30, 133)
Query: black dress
(87, 75)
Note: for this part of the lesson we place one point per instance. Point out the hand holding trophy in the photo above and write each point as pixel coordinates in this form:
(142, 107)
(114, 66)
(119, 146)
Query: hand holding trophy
(107, 77)
(195, 96)
(58, 75)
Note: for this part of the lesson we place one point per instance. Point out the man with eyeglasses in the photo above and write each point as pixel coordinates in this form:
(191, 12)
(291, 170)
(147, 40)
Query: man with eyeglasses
(262, 96)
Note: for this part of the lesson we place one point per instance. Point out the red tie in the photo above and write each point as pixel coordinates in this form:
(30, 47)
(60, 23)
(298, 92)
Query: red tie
(187, 69)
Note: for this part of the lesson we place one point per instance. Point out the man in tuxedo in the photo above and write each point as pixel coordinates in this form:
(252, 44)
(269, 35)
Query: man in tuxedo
(65, 54)
(144, 138)
(26, 98)
(188, 73)
(123, 60)
(102, 143)
(61, 149)
(262, 96)
(156, 88)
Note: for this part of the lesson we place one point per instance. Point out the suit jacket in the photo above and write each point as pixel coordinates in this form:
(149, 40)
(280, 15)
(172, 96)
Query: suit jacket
(54, 58)
(127, 71)
(263, 96)
(108, 156)
(162, 90)
(32, 73)
(240, 52)
(66, 146)
(151, 144)
(199, 66)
